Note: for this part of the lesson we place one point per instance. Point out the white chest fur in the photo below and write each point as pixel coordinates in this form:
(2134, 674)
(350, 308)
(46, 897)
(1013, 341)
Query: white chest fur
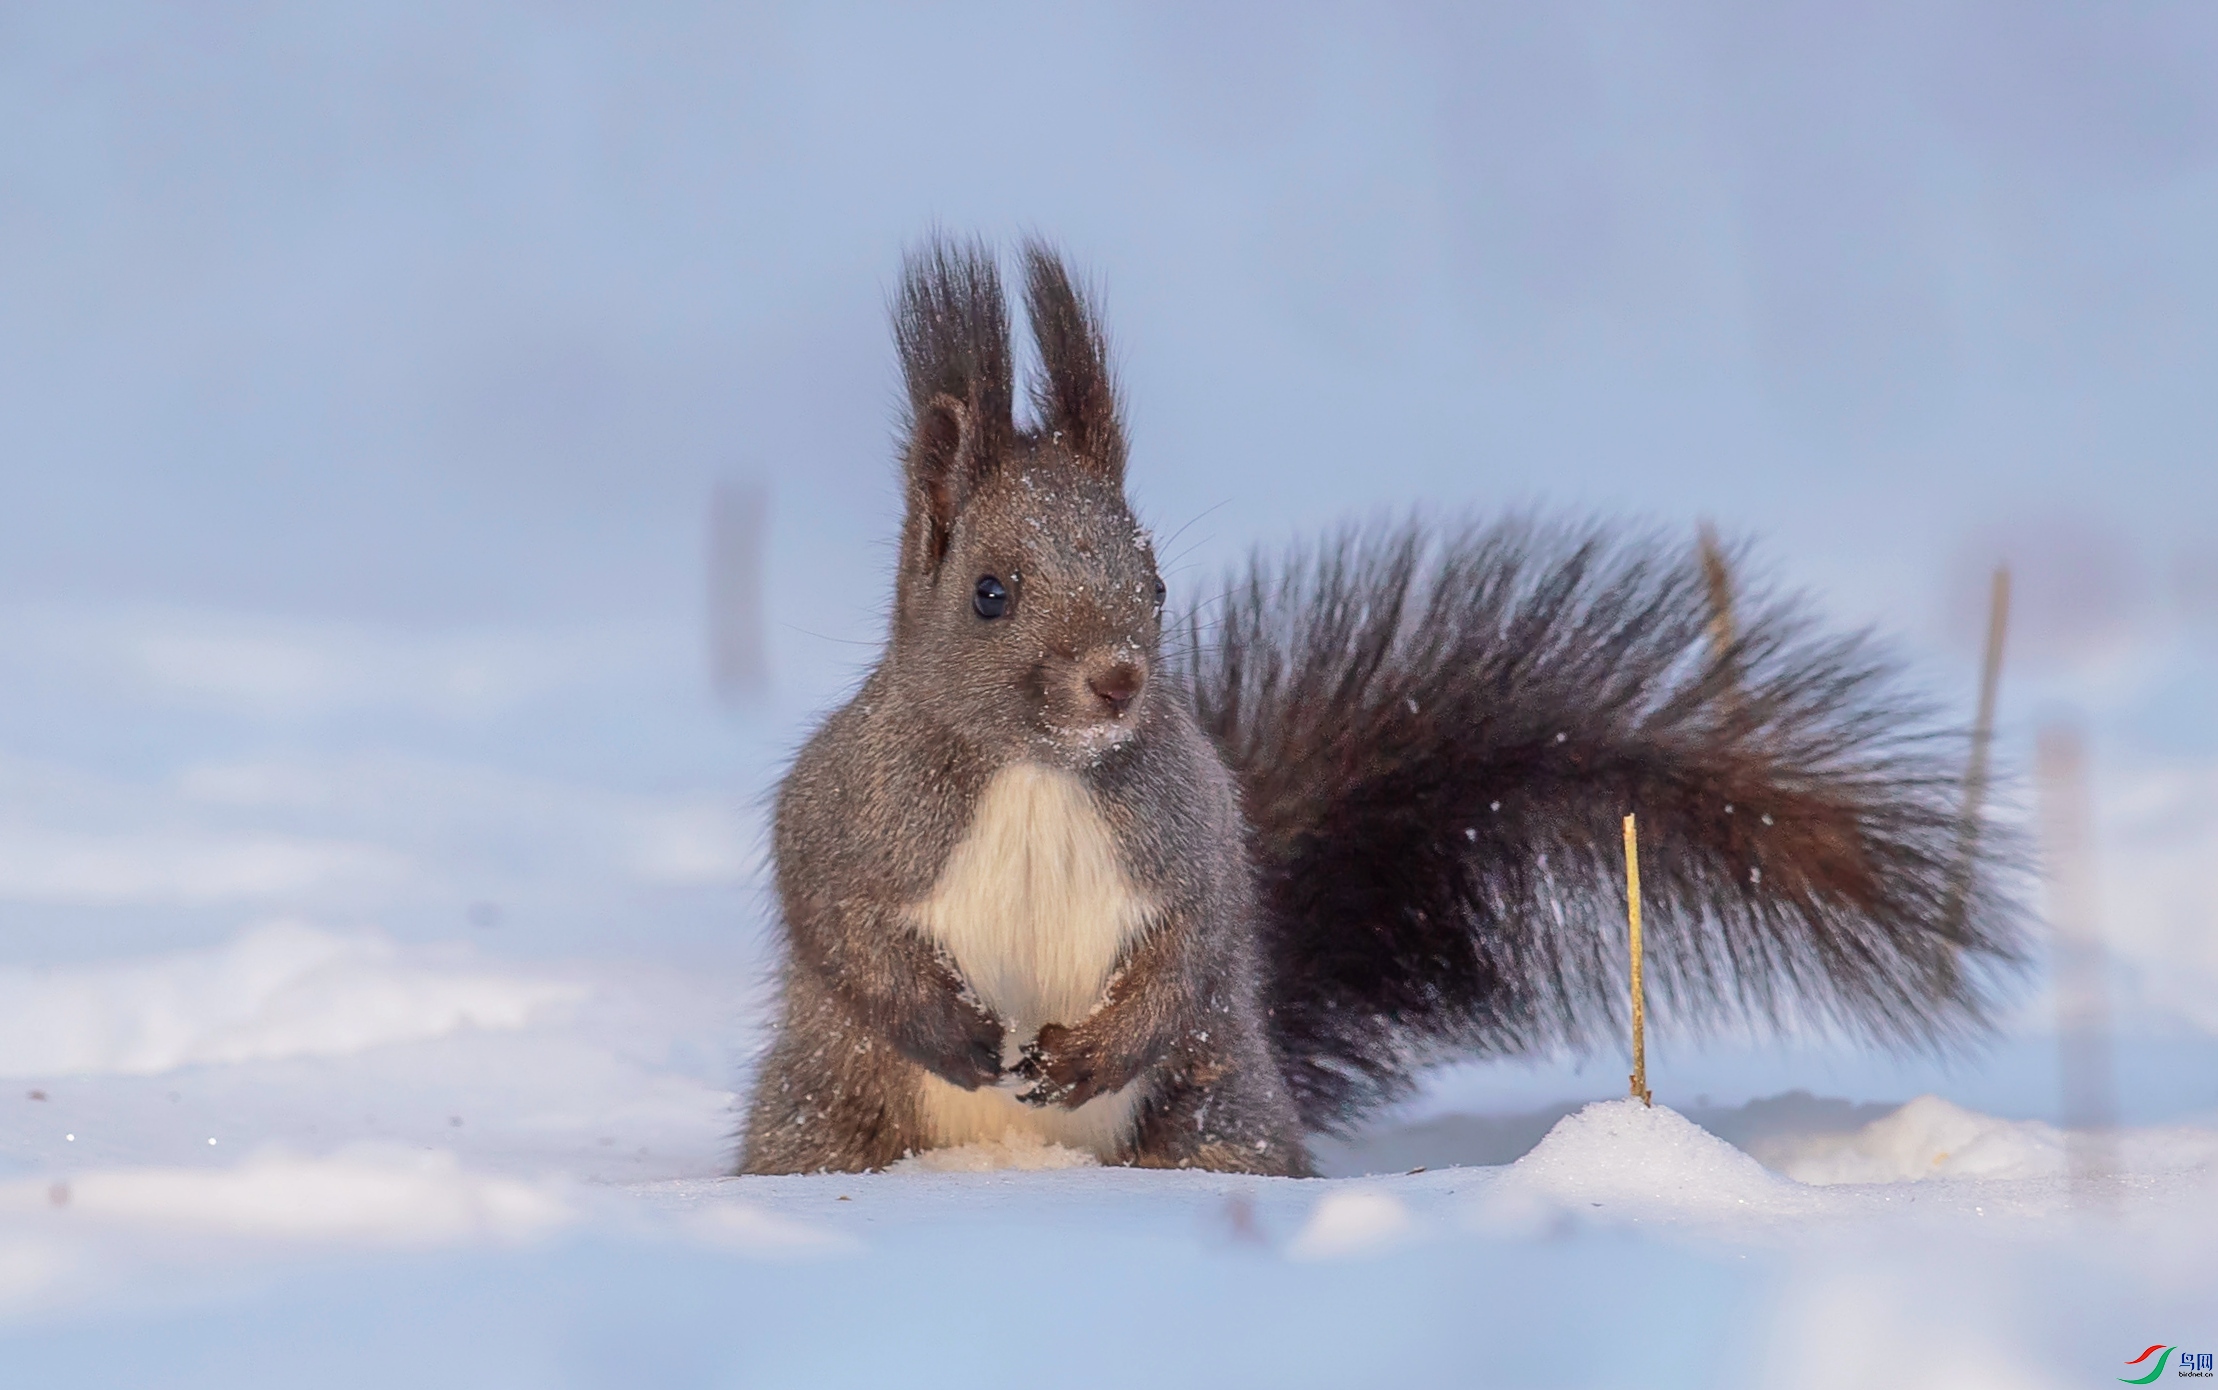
(1035, 909)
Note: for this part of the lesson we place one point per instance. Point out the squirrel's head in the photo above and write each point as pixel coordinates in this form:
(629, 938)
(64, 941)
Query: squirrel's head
(1028, 609)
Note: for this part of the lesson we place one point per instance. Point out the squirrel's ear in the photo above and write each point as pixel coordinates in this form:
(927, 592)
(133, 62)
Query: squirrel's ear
(1075, 394)
(951, 325)
(942, 467)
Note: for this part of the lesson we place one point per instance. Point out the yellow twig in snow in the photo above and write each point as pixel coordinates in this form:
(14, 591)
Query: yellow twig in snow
(1640, 1006)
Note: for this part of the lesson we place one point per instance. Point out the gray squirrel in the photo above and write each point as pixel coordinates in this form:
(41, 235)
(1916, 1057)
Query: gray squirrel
(1182, 892)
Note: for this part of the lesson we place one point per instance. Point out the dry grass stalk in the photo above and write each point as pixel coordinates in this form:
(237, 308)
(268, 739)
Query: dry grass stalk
(1717, 575)
(2084, 1064)
(1976, 773)
(1640, 1003)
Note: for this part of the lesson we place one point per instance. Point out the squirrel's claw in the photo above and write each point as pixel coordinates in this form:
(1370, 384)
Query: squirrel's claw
(1031, 1065)
(976, 1061)
(1060, 1075)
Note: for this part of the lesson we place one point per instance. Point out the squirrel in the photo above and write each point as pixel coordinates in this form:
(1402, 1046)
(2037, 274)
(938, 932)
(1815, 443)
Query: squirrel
(1180, 892)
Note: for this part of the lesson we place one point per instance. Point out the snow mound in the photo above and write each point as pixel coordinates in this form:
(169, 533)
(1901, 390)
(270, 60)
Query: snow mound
(278, 990)
(370, 1196)
(1012, 1150)
(1356, 1221)
(1620, 1154)
(1929, 1138)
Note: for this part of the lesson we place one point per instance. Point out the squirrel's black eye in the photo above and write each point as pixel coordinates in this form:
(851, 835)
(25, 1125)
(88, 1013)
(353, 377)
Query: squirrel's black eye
(1160, 591)
(989, 598)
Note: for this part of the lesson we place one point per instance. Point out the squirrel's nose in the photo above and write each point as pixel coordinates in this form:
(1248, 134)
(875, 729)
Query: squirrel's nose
(1116, 684)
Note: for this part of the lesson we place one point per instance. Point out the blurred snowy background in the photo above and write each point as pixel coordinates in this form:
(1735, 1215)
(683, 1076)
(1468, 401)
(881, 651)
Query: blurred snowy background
(377, 755)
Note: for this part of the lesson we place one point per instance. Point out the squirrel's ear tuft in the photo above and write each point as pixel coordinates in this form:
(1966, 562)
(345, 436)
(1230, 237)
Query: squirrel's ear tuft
(1075, 394)
(951, 325)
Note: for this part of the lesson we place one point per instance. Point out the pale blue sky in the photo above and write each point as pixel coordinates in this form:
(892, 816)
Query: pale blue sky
(451, 313)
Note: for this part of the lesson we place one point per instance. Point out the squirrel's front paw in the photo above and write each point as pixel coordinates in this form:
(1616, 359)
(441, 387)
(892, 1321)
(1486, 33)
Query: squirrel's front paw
(1044, 1089)
(971, 1059)
(1060, 1074)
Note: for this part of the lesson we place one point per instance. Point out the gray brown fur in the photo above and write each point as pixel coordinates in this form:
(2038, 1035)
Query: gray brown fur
(1383, 840)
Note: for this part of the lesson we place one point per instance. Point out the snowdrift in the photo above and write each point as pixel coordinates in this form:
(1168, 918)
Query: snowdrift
(309, 1157)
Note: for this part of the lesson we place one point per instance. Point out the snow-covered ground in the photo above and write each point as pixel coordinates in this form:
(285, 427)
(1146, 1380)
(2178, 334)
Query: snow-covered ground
(373, 1006)
(313, 1157)
(354, 1039)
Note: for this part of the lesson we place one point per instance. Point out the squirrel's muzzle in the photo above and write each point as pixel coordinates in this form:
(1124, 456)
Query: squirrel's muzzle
(1107, 686)
(1116, 684)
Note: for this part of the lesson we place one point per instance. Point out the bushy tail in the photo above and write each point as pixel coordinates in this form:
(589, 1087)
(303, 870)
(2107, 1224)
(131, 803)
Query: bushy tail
(1437, 735)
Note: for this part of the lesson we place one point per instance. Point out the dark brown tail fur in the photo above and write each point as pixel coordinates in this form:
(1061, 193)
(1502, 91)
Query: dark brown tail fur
(1436, 735)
